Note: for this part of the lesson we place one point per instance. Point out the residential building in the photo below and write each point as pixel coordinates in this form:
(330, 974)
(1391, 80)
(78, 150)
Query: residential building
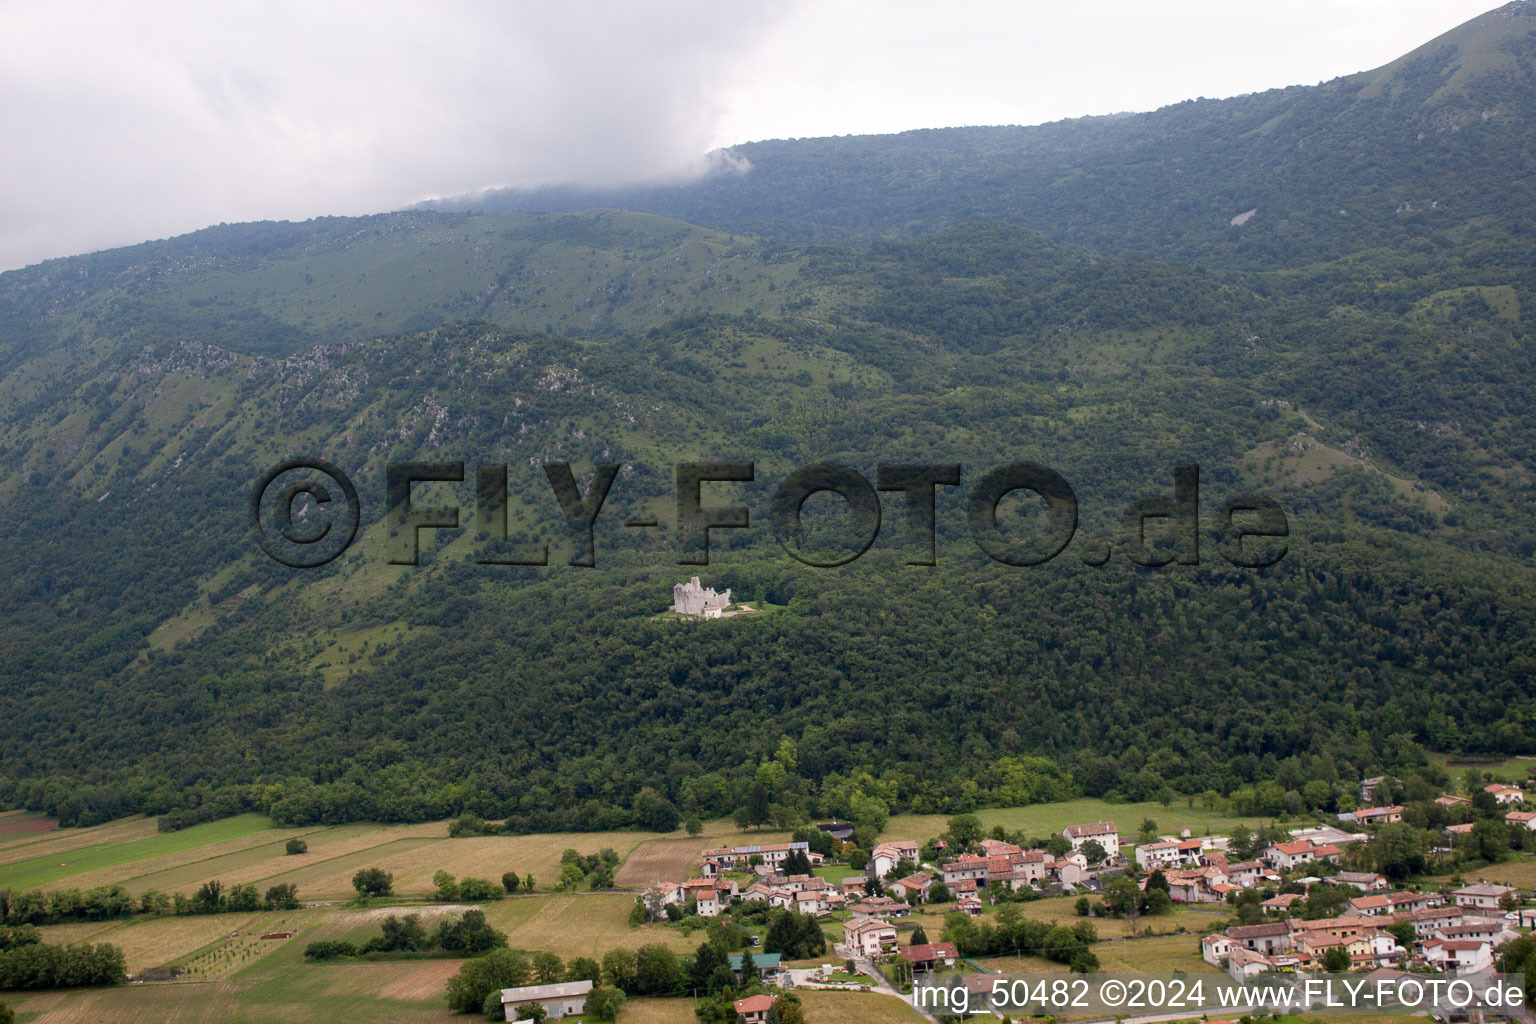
(754, 1009)
(869, 937)
(1102, 832)
(928, 957)
(1483, 896)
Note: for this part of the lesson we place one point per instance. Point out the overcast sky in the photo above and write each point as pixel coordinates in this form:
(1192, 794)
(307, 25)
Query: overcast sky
(124, 122)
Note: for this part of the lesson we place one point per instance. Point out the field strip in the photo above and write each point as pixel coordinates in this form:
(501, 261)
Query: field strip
(177, 860)
(660, 860)
(45, 844)
(39, 871)
(266, 862)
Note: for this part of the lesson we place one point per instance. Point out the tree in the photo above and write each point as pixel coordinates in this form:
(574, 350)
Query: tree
(604, 1001)
(706, 961)
(1083, 907)
(477, 978)
(583, 968)
(209, 898)
(919, 937)
(447, 888)
(619, 969)
(1094, 851)
(296, 846)
(1336, 960)
(284, 896)
(510, 882)
(1157, 880)
(693, 825)
(1058, 845)
(571, 877)
(405, 933)
(938, 892)
(965, 831)
(7, 1016)
(469, 934)
(1404, 933)
(548, 968)
(1240, 843)
(1489, 841)
(857, 858)
(375, 882)
(657, 972)
(528, 883)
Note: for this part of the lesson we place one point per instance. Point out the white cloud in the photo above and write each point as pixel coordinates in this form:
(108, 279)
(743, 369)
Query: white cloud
(130, 121)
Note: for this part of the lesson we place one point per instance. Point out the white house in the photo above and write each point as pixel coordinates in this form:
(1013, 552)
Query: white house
(1102, 832)
(1483, 896)
(1215, 948)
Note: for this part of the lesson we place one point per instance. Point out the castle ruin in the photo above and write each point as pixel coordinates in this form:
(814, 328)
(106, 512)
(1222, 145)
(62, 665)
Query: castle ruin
(693, 598)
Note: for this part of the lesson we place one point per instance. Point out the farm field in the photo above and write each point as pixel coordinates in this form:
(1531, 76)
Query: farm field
(16, 825)
(856, 1008)
(580, 924)
(1519, 871)
(51, 864)
(1044, 819)
(660, 860)
(248, 849)
(20, 846)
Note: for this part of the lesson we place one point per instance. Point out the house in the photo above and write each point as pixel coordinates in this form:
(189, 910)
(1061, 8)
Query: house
(1459, 830)
(929, 957)
(1102, 832)
(966, 866)
(771, 854)
(998, 848)
(1505, 794)
(1370, 906)
(868, 937)
(1244, 963)
(566, 999)
(754, 1009)
(854, 885)
(1525, 819)
(768, 966)
(1449, 800)
(811, 901)
(1151, 856)
(839, 830)
(1214, 948)
(884, 857)
(1261, 938)
(1482, 896)
(1282, 902)
(1379, 815)
(710, 904)
(1327, 835)
(1365, 881)
(1460, 955)
(919, 882)
(970, 905)
(1288, 856)
(1369, 786)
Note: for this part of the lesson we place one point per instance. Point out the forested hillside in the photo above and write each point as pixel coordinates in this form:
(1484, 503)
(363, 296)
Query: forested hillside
(1072, 295)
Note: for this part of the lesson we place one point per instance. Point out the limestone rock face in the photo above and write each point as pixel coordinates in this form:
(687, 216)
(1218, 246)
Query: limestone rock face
(692, 598)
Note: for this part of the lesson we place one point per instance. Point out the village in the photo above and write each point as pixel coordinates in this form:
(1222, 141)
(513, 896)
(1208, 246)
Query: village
(1290, 903)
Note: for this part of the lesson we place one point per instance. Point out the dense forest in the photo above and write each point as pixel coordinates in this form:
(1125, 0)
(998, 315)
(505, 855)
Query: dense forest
(1370, 374)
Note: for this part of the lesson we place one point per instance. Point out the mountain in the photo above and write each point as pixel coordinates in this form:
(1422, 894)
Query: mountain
(1370, 160)
(1074, 295)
